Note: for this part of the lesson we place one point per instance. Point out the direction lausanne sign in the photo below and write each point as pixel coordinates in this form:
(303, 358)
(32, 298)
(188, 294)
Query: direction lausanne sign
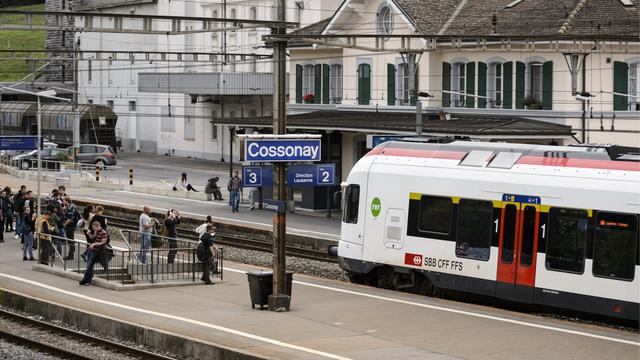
(282, 150)
(18, 142)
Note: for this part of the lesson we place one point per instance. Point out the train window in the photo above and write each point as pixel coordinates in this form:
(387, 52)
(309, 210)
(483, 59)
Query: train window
(475, 226)
(351, 203)
(508, 233)
(435, 214)
(615, 245)
(567, 239)
(528, 232)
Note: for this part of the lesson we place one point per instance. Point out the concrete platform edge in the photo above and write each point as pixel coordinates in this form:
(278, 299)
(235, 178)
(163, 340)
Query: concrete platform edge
(155, 338)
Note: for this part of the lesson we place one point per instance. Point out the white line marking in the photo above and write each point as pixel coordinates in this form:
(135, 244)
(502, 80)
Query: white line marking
(455, 311)
(253, 223)
(168, 197)
(180, 318)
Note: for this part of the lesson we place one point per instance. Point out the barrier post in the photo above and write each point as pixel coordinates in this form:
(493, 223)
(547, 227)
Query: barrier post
(130, 175)
(97, 172)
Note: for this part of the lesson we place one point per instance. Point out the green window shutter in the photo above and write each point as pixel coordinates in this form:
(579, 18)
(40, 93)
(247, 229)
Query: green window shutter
(547, 85)
(298, 84)
(482, 84)
(446, 84)
(317, 84)
(471, 82)
(520, 68)
(364, 84)
(507, 85)
(620, 85)
(391, 84)
(325, 83)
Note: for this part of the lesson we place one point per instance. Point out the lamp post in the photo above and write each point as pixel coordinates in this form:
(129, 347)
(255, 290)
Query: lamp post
(49, 94)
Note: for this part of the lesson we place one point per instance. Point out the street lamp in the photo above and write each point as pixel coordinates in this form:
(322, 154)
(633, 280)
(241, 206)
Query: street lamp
(49, 94)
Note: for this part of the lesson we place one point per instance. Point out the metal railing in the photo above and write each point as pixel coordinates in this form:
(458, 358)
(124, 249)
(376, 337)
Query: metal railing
(87, 171)
(118, 262)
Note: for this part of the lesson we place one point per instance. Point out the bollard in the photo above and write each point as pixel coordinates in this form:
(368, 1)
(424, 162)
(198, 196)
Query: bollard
(97, 172)
(130, 175)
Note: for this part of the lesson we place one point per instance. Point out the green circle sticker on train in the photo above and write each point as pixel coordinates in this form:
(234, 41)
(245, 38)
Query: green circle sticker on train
(376, 206)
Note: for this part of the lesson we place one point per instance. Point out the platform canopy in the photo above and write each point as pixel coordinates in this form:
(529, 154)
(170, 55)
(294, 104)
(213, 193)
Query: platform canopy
(494, 127)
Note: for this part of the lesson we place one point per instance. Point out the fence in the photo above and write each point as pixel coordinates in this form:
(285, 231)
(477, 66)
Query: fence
(121, 263)
(87, 171)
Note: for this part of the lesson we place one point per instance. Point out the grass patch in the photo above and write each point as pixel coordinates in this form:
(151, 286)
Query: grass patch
(10, 69)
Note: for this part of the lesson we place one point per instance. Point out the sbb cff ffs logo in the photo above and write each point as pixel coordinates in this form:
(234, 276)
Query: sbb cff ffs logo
(413, 259)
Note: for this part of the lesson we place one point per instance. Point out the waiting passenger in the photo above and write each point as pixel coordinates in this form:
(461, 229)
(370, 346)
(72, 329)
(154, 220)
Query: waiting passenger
(145, 228)
(27, 228)
(207, 240)
(183, 184)
(99, 240)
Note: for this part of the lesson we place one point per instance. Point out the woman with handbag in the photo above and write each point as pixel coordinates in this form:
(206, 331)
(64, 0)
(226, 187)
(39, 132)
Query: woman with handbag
(99, 241)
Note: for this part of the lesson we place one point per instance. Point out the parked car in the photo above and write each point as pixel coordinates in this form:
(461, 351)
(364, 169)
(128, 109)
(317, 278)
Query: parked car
(51, 159)
(96, 154)
(8, 154)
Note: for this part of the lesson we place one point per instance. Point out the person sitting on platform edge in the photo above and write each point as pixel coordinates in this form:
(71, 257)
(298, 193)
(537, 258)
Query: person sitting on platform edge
(212, 188)
(183, 184)
(99, 240)
(207, 240)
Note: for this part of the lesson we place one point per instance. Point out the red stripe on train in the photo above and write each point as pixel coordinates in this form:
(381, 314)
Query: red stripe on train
(579, 163)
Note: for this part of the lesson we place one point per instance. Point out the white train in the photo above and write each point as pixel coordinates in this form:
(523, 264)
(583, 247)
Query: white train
(554, 226)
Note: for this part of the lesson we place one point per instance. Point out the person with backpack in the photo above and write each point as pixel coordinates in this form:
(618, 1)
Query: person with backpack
(170, 222)
(205, 251)
(98, 241)
(71, 218)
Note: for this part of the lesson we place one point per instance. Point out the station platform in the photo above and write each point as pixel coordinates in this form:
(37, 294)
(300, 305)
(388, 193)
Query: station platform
(328, 320)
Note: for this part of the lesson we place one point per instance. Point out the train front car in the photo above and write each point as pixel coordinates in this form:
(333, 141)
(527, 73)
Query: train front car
(553, 226)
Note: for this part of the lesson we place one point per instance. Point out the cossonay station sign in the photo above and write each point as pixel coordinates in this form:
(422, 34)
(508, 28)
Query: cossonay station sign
(282, 150)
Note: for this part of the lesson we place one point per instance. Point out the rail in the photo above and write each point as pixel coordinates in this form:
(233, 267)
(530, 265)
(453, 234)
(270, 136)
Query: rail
(119, 262)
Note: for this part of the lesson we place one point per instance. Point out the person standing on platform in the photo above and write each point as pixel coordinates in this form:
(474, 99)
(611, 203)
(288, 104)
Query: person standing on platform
(3, 196)
(145, 233)
(8, 210)
(170, 222)
(18, 202)
(45, 238)
(28, 226)
(234, 186)
(71, 218)
(99, 239)
(207, 240)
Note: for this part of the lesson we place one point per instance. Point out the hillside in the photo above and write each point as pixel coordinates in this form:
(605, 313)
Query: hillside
(13, 70)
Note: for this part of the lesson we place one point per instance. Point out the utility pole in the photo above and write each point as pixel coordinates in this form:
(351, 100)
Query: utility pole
(76, 116)
(279, 301)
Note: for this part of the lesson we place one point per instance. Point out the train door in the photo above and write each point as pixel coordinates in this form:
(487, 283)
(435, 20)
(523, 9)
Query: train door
(517, 251)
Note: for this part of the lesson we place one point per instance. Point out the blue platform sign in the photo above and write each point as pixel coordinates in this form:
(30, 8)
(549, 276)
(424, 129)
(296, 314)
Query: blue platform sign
(18, 142)
(257, 176)
(275, 205)
(375, 140)
(311, 175)
(282, 150)
(521, 199)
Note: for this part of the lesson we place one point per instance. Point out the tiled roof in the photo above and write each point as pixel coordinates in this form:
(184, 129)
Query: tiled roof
(524, 18)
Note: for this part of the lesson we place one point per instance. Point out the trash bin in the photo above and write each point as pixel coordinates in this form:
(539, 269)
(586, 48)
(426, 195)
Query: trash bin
(261, 286)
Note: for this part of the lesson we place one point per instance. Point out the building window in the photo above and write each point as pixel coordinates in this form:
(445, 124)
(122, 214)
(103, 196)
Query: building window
(351, 204)
(495, 86)
(534, 92)
(110, 104)
(403, 89)
(616, 241)
(335, 84)
(232, 14)
(189, 133)
(458, 84)
(384, 22)
(253, 13)
(132, 106)
(567, 239)
(308, 79)
(435, 214)
(634, 88)
(167, 122)
(475, 227)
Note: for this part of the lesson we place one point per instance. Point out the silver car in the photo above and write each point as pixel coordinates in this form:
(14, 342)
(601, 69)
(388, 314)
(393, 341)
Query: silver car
(102, 155)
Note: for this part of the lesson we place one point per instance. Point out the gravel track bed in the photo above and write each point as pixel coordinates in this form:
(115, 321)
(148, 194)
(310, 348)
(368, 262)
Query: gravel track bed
(74, 345)
(9, 350)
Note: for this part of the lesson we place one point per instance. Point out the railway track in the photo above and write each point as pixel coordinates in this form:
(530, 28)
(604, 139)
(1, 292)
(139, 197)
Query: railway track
(80, 337)
(234, 240)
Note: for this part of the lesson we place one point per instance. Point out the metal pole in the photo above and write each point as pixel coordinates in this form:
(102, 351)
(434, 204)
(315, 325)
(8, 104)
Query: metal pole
(419, 118)
(329, 162)
(76, 118)
(279, 301)
(230, 152)
(38, 209)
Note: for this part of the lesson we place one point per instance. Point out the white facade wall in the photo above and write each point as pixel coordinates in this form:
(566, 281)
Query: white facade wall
(192, 133)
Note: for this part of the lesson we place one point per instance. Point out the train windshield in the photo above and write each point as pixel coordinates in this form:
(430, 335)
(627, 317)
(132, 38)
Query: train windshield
(351, 203)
